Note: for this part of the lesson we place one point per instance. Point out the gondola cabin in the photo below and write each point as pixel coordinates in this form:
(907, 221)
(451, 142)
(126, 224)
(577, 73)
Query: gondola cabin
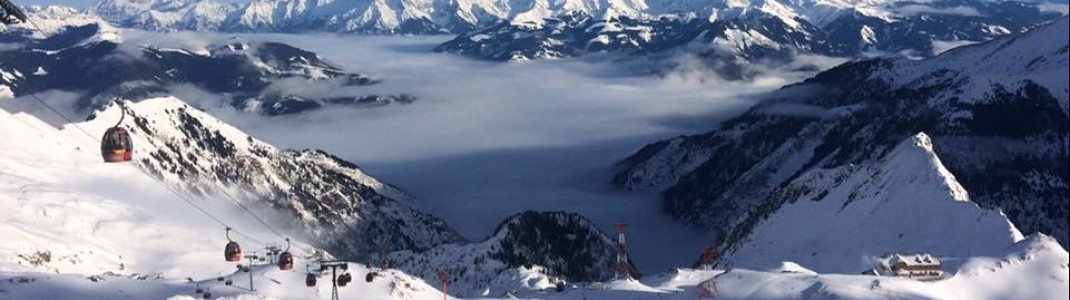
(116, 146)
(286, 261)
(232, 252)
(310, 280)
(344, 279)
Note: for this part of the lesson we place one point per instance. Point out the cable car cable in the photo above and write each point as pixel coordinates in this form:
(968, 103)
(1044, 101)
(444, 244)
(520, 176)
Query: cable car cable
(169, 188)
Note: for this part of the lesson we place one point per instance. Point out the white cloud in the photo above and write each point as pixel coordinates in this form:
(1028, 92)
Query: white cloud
(1055, 7)
(486, 140)
(919, 9)
(943, 46)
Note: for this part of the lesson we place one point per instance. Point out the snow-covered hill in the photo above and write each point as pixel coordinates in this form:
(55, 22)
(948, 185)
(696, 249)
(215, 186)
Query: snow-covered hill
(53, 19)
(840, 220)
(74, 227)
(733, 38)
(335, 204)
(996, 113)
(95, 63)
(529, 29)
(76, 215)
(528, 252)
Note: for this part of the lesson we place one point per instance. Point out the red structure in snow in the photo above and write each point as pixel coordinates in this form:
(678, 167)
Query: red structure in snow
(708, 255)
(624, 270)
(444, 278)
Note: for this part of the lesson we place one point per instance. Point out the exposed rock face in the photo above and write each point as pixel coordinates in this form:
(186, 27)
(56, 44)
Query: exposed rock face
(531, 250)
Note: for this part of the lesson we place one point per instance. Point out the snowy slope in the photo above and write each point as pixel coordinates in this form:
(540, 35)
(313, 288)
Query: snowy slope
(248, 75)
(435, 16)
(1039, 57)
(996, 113)
(727, 36)
(68, 213)
(732, 37)
(53, 19)
(528, 252)
(76, 228)
(840, 220)
(333, 202)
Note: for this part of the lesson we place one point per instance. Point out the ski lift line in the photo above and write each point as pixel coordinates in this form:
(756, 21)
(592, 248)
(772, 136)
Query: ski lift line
(176, 193)
(234, 199)
(90, 136)
(57, 112)
(194, 205)
(231, 197)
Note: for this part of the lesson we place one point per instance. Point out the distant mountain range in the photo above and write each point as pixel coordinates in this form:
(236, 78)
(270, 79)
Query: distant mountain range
(731, 40)
(727, 36)
(89, 57)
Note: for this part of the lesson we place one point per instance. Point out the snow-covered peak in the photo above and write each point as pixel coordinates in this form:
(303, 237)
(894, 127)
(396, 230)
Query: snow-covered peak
(456, 16)
(332, 202)
(68, 212)
(917, 154)
(1039, 56)
(529, 251)
(56, 18)
(841, 219)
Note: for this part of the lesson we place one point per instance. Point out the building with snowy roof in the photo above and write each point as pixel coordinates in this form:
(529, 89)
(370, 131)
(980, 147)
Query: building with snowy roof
(921, 266)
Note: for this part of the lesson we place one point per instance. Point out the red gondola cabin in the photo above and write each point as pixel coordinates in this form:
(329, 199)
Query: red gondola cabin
(286, 261)
(116, 146)
(232, 252)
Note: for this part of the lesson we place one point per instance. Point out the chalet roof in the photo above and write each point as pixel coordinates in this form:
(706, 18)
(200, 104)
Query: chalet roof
(923, 259)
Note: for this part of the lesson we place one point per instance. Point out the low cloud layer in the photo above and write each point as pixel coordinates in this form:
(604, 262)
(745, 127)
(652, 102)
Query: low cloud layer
(486, 140)
(920, 9)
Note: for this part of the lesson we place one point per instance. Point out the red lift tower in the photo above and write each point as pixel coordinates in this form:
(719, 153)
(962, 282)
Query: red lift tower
(444, 278)
(708, 255)
(708, 289)
(624, 270)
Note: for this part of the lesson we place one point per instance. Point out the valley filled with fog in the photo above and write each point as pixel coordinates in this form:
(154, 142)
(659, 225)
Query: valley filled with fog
(485, 140)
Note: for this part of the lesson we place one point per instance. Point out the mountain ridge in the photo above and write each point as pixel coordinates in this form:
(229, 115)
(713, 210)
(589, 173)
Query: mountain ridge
(1001, 133)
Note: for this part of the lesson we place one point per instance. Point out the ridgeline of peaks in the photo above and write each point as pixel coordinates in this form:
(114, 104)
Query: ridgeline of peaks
(93, 61)
(731, 40)
(725, 35)
(901, 203)
(996, 113)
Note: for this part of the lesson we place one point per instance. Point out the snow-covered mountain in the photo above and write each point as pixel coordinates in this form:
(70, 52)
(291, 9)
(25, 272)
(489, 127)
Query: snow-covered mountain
(996, 113)
(310, 195)
(76, 228)
(93, 61)
(333, 202)
(729, 39)
(725, 35)
(530, 251)
(906, 202)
